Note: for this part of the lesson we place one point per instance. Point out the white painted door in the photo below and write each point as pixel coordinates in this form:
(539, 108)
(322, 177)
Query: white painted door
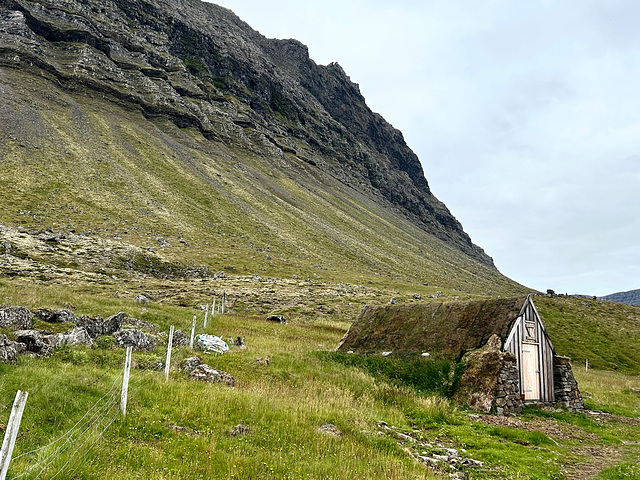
(530, 371)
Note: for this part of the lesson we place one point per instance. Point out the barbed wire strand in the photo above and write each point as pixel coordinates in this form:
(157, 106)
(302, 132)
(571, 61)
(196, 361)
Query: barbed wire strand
(72, 434)
(59, 450)
(77, 423)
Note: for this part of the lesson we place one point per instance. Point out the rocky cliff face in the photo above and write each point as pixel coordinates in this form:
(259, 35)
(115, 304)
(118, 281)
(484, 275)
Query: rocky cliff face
(200, 66)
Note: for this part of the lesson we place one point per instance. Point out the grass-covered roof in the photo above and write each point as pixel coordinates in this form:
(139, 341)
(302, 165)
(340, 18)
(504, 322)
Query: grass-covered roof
(442, 329)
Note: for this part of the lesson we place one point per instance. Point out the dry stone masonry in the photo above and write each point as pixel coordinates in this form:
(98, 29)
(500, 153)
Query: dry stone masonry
(567, 392)
(507, 400)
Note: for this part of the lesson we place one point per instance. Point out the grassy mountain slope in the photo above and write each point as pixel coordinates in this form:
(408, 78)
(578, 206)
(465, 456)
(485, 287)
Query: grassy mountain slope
(632, 297)
(164, 123)
(605, 333)
(80, 164)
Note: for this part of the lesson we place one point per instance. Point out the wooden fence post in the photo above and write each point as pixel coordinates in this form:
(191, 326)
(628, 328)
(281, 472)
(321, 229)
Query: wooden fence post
(193, 331)
(125, 382)
(206, 316)
(11, 433)
(168, 364)
(586, 365)
(224, 300)
(213, 308)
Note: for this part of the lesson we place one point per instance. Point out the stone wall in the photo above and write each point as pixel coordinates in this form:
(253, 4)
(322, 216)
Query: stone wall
(490, 382)
(566, 387)
(507, 397)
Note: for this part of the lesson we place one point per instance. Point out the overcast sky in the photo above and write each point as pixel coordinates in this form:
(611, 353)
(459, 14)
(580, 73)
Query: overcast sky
(525, 115)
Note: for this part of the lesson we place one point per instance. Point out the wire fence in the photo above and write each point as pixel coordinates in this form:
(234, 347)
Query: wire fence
(58, 458)
(52, 460)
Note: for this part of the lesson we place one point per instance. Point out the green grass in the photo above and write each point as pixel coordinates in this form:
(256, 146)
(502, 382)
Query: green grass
(284, 402)
(605, 333)
(628, 469)
(610, 391)
(437, 377)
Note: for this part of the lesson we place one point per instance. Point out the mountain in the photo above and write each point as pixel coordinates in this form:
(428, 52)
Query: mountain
(632, 297)
(172, 127)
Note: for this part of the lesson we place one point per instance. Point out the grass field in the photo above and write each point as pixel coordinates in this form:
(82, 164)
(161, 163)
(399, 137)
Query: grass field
(181, 428)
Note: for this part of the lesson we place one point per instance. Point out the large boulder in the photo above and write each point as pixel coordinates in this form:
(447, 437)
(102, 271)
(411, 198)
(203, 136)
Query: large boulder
(276, 319)
(97, 326)
(180, 339)
(16, 317)
(190, 364)
(131, 337)
(74, 338)
(9, 350)
(34, 342)
(141, 299)
(206, 373)
(56, 316)
(141, 325)
(113, 323)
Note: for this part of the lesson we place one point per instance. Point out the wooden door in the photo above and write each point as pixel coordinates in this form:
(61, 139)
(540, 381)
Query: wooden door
(530, 371)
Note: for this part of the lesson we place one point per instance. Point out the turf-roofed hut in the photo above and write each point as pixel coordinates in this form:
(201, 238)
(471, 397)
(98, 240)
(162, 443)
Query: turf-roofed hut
(508, 356)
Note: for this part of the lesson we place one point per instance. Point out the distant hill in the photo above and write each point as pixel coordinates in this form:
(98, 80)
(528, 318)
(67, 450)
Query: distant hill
(632, 297)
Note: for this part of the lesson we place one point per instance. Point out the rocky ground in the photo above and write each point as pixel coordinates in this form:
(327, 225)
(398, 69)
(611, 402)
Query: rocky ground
(69, 258)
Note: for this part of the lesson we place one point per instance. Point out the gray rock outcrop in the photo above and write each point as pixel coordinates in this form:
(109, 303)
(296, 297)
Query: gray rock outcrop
(131, 337)
(141, 325)
(16, 317)
(276, 319)
(190, 364)
(9, 349)
(180, 339)
(97, 326)
(206, 373)
(42, 344)
(75, 337)
(56, 316)
(141, 299)
(33, 341)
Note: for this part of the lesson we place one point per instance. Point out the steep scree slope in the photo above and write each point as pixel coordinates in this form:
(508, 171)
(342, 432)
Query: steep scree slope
(153, 101)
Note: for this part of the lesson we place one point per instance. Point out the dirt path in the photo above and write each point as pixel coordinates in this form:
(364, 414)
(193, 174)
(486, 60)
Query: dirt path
(599, 459)
(593, 457)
